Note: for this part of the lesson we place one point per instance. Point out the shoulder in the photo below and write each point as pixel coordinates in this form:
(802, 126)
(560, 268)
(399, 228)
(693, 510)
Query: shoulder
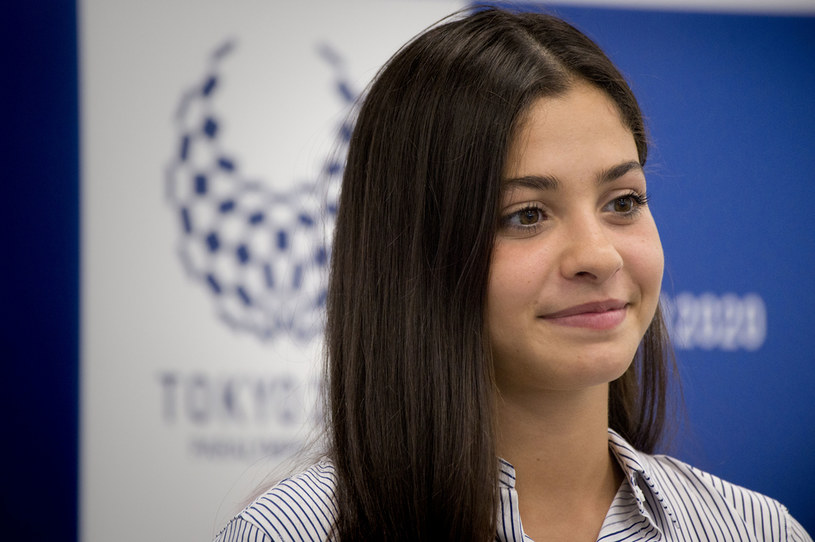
(716, 508)
(302, 507)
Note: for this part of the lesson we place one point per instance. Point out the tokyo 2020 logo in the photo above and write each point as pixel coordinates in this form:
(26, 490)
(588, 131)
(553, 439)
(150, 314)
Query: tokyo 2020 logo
(260, 253)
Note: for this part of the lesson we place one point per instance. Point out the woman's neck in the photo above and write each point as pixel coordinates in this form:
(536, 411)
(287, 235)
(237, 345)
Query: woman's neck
(566, 477)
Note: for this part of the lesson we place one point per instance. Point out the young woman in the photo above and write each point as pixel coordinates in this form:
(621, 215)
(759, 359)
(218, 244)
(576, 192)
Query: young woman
(496, 357)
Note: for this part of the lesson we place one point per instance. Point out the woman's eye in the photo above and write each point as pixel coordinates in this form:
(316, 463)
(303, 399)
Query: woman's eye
(525, 218)
(628, 204)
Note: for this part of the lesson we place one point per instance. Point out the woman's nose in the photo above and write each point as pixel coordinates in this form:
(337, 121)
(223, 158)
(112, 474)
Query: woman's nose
(590, 253)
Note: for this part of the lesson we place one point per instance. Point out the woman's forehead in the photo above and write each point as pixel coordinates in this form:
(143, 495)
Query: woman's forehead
(581, 128)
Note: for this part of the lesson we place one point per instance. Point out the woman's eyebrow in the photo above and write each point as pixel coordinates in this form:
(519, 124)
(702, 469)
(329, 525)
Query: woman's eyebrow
(615, 172)
(548, 182)
(536, 182)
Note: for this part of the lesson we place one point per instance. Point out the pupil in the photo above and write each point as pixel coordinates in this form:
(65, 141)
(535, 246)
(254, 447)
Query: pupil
(623, 205)
(529, 216)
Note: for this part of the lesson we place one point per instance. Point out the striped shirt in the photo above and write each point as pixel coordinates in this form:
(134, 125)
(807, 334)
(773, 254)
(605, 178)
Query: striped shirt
(661, 499)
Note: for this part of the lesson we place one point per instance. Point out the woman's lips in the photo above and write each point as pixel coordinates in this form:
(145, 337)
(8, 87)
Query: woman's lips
(596, 315)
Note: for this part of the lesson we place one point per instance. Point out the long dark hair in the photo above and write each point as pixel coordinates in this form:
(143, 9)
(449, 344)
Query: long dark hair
(410, 398)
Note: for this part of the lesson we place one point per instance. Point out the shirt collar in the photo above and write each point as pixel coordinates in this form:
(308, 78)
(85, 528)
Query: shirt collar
(506, 474)
(633, 464)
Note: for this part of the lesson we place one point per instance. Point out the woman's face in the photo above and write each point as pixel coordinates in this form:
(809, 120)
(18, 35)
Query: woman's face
(577, 263)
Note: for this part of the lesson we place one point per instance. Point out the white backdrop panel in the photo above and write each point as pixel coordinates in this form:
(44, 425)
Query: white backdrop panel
(186, 392)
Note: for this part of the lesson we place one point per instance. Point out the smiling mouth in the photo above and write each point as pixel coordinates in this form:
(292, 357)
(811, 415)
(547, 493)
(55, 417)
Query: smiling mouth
(601, 315)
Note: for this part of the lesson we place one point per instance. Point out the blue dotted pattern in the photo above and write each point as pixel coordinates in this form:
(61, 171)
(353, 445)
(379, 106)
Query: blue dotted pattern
(260, 254)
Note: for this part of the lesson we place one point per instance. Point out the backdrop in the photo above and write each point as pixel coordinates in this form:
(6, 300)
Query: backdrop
(212, 138)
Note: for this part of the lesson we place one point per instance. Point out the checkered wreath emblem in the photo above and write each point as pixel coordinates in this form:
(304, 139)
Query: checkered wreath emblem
(261, 254)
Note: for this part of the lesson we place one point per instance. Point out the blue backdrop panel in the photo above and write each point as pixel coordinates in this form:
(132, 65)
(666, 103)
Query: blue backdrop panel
(731, 115)
(39, 317)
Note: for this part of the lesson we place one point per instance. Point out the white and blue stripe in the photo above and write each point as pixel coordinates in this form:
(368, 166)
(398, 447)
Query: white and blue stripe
(661, 499)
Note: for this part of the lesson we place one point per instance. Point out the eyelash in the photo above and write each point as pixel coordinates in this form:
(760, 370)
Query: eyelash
(638, 200)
